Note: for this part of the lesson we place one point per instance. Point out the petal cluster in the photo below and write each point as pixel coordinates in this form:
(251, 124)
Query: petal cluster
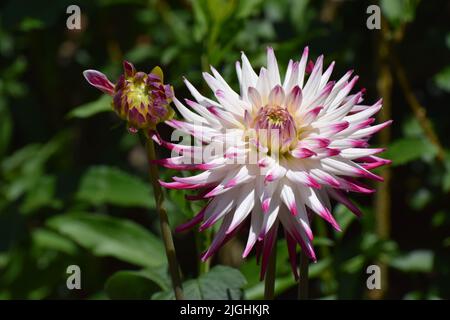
(284, 147)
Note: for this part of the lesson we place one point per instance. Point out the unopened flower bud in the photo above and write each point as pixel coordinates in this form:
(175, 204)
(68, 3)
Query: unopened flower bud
(142, 99)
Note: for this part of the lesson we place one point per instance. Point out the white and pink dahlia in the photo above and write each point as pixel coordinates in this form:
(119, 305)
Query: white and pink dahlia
(282, 149)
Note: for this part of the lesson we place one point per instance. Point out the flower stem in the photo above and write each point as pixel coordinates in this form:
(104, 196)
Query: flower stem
(418, 110)
(269, 280)
(164, 222)
(327, 276)
(303, 281)
(203, 240)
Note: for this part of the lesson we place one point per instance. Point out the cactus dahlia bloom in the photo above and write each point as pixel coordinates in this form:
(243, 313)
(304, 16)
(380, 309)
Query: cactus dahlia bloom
(139, 98)
(310, 137)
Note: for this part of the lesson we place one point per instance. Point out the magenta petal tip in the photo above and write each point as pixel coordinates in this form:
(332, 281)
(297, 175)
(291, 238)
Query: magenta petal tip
(99, 81)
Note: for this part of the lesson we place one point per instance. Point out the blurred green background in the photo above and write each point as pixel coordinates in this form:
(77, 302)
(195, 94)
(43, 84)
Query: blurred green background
(73, 182)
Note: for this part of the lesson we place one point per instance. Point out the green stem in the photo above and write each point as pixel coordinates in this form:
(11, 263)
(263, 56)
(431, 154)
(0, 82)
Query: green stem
(166, 233)
(203, 240)
(269, 280)
(327, 276)
(303, 281)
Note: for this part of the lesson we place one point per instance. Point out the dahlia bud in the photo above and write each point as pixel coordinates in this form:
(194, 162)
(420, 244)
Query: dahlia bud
(142, 99)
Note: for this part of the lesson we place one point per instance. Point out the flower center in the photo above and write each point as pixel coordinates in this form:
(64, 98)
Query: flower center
(275, 128)
(137, 89)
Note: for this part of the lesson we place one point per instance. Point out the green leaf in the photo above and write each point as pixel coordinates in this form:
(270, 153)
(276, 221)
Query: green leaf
(114, 237)
(220, 10)
(201, 21)
(442, 79)
(43, 195)
(446, 176)
(29, 24)
(411, 128)
(135, 284)
(251, 269)
(141, 53)
(344, 217)
(322, 241)
(406, 150)
(220, 283)
(90, 109)
(256, 292)
(354, 264)
(31, 158)
(108, 185)
(15, 69)
(285, 282)
(24, 168)
(247, 8)
(284, 277)
(414, 261)
(301, 14)
(49, 239)
(399, 11)
(440, 218)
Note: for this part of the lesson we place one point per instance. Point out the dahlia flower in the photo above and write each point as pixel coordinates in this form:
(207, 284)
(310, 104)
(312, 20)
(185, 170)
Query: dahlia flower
(310, 140)
(139, 98)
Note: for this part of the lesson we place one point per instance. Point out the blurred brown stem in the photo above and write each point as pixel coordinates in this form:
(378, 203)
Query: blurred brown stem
(166, 233)
(419, 111)
(383, 194)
